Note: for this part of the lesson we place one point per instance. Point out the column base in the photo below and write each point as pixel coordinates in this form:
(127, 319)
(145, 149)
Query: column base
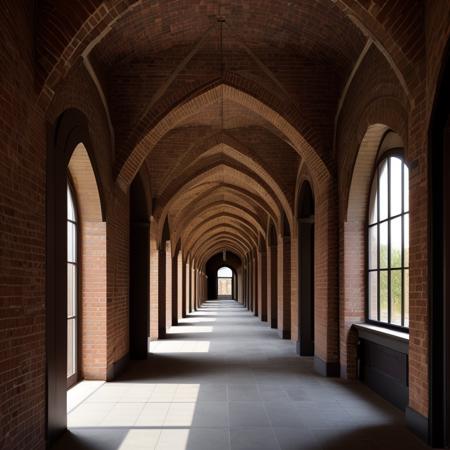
(305, 349)
(326, 369)
(284, 334)
(417, 423)
(117, 367)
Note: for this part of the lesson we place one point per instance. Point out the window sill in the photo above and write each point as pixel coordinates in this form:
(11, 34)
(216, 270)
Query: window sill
(395, 340)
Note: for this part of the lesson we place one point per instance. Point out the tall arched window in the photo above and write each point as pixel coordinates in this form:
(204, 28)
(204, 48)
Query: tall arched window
(72, 289)
(388, 237)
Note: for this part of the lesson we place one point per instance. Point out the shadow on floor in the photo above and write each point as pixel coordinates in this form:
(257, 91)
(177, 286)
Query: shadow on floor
(238, 386)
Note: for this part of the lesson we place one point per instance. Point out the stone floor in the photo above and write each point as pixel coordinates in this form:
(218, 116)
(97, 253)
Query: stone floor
(224, 380)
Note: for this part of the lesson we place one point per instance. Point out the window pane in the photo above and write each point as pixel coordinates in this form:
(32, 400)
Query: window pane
(396, 186)
(383, 190)
(396, 242)
(373, 207)
(388, 252)
(406, 239)
(70, 206)
(373, 289)
(224, 272)
(71, 290)
(396, 297)
(224, 286)
(384, 296)
(71, 242)
(406, 296)
(71, 348)
(383, 245)
(373, 247)
(405, 188)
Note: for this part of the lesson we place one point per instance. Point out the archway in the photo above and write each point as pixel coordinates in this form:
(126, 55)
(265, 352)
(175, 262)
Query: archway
(232, 263)
(68, 161)
(305, 279)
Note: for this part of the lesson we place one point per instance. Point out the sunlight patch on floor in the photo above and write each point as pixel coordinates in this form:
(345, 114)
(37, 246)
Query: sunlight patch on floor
(137, 405)
(140, 439)
(181, 346)
(189, 329)
(80, 392)
(197, 320)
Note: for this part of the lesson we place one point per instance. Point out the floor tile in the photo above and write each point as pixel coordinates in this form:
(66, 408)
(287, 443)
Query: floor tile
(247, 414)
(253, 439)
(224, 380)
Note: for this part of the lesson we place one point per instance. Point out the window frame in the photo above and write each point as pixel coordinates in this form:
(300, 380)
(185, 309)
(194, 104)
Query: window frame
(383, 156)
(75, 377)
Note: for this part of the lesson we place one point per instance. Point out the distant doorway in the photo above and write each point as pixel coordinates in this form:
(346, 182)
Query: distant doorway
(224, 283)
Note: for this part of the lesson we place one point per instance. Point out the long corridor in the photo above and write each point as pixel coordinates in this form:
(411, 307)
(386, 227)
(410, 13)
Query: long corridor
(224, 380)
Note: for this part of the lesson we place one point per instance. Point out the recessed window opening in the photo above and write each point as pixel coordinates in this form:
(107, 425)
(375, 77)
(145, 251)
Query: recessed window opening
(224, 283)
(72, 289)
(388, 241)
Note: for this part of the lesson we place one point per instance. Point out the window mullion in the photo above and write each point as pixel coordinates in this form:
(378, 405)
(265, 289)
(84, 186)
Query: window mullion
(389, 299)
(402, 277)
(378, 244)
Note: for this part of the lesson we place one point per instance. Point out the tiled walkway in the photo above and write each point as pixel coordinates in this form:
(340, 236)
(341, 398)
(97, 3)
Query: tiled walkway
(224, 380)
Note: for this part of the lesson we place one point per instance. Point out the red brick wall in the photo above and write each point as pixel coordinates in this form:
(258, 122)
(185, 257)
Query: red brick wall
(22, 236)
(272, 289)
(117, 272)
(93, 301)
(168, 272)
(284, 285)
(294, 286)
(179, 282)
(262, 284)
(154, 283)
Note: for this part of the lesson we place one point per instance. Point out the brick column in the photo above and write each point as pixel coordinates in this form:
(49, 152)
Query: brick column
(168, 296)
(93, 301)
(154, 285)
(183, 287)
(255, 283)
(262, 284)
(179, 298)
(272, 287)
(162, 291)
(284, 287)
(174, 296)
(192, 304)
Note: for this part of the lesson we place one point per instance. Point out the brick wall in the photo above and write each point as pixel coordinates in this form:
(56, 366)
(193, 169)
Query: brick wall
(179, 282)
(22, 236)
(93, 301)
(168, 281)
(154, 283)
(117, 273)
(262, 284)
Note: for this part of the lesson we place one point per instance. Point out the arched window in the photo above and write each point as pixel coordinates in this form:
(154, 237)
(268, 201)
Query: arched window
(388, 237)
(224, 282)
(72, 289)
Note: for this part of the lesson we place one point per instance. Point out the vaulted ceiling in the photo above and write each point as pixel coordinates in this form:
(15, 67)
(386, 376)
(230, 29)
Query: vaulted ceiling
(220, 163)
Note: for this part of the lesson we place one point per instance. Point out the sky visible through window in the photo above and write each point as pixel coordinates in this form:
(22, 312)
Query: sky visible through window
(224, 272)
